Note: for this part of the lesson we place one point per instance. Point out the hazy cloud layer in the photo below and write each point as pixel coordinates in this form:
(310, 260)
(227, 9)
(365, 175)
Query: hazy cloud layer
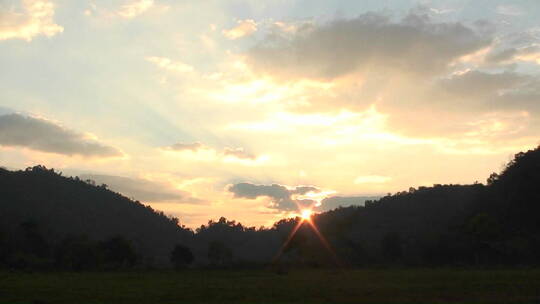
(142, 189)
(43, 135)
(414, 44)
(282, 197)
(26, 19)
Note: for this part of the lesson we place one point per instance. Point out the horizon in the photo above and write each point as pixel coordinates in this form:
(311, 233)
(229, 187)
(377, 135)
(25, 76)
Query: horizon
(255, 110)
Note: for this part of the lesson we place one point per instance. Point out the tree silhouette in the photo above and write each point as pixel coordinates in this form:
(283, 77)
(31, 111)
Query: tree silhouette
(219, 254)
(34, 242)
(78, 253)
(118, 253)
(391, 247)
(181, 256)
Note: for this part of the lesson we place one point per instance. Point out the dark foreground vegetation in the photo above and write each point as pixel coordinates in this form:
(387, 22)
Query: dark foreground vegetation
(258, 286)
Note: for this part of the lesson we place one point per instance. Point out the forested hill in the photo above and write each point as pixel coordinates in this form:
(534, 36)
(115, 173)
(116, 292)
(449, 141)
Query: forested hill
(493, 223)
(56, 207)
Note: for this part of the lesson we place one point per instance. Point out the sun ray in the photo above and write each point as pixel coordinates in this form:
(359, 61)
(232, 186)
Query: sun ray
(305, 216)
(289, 238)
(325, 243)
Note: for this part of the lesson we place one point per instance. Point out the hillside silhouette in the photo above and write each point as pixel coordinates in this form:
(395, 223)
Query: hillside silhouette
(54, 208)
(48, 220)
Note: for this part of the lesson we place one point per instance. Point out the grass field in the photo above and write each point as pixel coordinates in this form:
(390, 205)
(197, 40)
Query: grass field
(259, 286)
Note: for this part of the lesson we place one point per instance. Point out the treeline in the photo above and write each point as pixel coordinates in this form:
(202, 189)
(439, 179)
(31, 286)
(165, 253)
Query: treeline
(66, 223)
(30, 250)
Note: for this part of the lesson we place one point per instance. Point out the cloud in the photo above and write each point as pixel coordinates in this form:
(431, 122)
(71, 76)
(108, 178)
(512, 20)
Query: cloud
(142, 189)
(491, 91)
(43, 135)
(446, 73)
(35, 17)
(415, 75)
(187, 146)
(371, 41)
(529, 53)
(501, 56)
(304, 190)
(227, 153)
(243, 29)
(441, 11)
(168, 64)
(477, 83)
(134, 8)
(282, 197)
(239, 153)
(334, 202)
(294, 198)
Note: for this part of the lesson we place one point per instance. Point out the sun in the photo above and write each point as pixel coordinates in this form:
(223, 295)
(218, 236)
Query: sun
(306, 214)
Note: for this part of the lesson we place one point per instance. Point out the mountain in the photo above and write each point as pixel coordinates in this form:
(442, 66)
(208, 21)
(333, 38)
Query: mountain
(61, 206)
(467, 224)
(479, 224)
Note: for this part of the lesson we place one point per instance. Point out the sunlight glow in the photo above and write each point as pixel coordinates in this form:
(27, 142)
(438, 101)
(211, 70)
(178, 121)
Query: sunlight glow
(306, 214)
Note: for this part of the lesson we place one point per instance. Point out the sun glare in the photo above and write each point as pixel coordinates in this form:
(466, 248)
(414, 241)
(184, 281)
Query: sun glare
(306, 214)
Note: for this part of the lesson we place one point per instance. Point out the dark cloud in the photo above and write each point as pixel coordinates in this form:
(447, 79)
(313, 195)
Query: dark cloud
(252, 191)
(414, 44)
(333, 202)
(281, 196)
(493, 91)
(304, 189)
(142, 189)
(284, 198)
(478, 83)
(43, 135)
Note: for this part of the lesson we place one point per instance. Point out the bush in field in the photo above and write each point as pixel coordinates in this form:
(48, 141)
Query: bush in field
(118, 252)
(78, 253)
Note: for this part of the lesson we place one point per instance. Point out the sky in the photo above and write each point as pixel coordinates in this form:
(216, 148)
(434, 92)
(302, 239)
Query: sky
(249, 109)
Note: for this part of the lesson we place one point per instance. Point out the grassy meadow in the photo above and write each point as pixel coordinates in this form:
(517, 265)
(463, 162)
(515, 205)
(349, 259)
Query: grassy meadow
(265, 286)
